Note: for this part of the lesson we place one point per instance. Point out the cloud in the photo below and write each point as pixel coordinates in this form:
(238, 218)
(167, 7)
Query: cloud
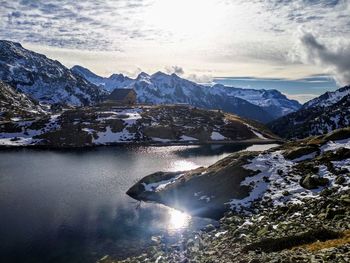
(175, 69)
(302, 97)
(335, 57)
(203, 79)
(88, 25)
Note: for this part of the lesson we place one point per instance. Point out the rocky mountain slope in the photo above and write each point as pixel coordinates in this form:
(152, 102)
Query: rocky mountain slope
(287, 204)
(321, 115)
(45, 80)
(15, 105)
(327, 99)
(135, 125)
(161, 88)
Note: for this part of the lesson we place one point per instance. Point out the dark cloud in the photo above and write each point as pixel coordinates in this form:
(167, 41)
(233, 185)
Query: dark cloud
(175, 69)
(335, 57)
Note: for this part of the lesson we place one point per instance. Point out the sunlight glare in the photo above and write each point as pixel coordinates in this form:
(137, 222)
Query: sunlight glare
(177, 219)
(182, 165)
(184, 17)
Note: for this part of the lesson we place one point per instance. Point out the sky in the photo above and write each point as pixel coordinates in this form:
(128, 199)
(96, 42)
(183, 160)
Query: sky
(274, 42)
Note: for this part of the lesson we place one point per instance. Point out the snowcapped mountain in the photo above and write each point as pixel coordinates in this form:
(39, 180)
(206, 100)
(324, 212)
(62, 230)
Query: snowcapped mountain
(328, 99)
(161, 88)
(109, 84)
(44, 79)
(272, 101)
(16, 105)
(321, 115)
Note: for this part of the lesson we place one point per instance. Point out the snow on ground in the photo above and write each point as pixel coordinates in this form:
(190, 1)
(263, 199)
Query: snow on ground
(128, 116)
(158, 186)
(187, 138)
(25, 137)
(305, 157)
(156, 139)
(216, 136)
(218, 234)
(273, 181)
(343, 164)
(332, 146)
(260, 147)
(257, 134)
(18, 141)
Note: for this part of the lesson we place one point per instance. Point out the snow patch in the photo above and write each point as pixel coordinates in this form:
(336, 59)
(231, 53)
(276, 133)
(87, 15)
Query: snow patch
(158, 186)
(216, 136)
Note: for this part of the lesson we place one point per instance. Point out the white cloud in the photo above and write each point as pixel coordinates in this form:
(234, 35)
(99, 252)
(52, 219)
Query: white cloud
(230, 37)
(333, 56)
(302, 97)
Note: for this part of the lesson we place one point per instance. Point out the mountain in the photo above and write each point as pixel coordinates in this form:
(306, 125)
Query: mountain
(161, 88)
(272, 101)
(321, 115)
(109, 84)
(15, 105)
(45, 80)
(327, 99)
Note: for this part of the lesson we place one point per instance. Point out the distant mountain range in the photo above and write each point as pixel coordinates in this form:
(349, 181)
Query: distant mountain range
(321, 115)
(161, 88)
(49, 82)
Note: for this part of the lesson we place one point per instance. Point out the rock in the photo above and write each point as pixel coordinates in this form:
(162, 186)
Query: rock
(331, 213)
(209, 228)
(340, 179)
(313, 181)
(326, 192)
(285, 193)
(345, 199)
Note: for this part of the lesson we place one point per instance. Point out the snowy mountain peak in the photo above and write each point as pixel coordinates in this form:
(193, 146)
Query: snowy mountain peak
(44, 79)
(321, 115)
(119, 77)
(159, 74)
(143, 75)
(328, 98)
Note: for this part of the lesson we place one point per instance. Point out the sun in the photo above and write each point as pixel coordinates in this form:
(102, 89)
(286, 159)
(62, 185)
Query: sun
(183, 17)
(177, 219)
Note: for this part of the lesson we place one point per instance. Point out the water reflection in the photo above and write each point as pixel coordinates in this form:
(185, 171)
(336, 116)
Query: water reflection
(177, 220)
(182, 165)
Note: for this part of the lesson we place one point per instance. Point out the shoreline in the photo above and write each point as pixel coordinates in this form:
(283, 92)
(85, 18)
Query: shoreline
(145, 144)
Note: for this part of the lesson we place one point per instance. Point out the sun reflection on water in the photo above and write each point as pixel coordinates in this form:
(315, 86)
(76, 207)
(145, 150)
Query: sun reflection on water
(178, 220)
(182, 165)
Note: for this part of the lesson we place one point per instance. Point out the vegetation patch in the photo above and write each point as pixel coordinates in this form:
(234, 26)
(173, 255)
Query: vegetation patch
(344, 238)
(278, 244)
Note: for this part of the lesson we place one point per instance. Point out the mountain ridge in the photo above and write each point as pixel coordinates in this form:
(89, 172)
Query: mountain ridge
(262, 105)
(321, 115)
(44, 79)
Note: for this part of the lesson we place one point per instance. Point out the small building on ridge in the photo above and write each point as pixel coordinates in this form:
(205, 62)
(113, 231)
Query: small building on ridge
(122, 97)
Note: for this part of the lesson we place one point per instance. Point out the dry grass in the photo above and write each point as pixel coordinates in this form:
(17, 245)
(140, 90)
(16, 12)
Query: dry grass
(316, 246)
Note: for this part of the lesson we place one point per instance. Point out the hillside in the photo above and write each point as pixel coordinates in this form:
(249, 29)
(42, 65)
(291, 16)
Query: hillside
(319, 116)
(45, 80)
(135, 125)
(16, 105)
(287, 204)
(161, 88)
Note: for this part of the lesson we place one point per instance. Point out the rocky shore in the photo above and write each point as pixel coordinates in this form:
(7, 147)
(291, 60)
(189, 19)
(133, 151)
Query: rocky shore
(291, 205)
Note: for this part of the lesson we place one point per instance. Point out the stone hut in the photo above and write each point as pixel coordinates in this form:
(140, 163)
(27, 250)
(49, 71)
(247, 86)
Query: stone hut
(122, 97)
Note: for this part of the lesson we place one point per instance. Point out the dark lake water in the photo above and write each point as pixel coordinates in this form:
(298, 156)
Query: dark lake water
(71, 206)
